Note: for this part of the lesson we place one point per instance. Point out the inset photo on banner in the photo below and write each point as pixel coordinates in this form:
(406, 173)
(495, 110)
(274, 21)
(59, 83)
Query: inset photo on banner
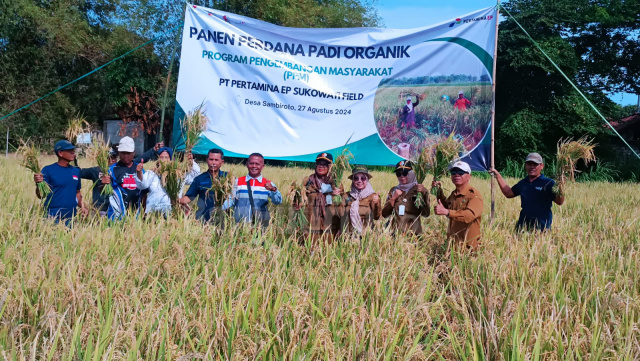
(444, 89)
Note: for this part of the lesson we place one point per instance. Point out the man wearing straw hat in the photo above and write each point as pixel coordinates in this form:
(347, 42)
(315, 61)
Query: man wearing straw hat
(536, 195)
(463, 207)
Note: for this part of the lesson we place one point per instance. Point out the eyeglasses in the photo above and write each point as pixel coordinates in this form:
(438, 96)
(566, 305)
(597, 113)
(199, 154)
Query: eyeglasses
(360, 178)
(402, 173)
(457, 172)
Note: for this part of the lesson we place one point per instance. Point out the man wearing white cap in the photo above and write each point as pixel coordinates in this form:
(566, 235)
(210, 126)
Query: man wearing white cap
(536, 195)
(461, 103)
(126, 194)
(463, 207)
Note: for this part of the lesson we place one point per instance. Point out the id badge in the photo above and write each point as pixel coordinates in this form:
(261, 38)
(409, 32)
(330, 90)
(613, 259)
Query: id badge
(329, 198)
(401, 210)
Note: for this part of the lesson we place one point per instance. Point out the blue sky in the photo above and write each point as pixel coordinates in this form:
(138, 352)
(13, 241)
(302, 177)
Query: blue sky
(406, 14)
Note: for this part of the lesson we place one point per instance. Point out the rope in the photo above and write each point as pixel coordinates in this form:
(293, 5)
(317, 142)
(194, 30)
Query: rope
(92, 71)
(570, 82)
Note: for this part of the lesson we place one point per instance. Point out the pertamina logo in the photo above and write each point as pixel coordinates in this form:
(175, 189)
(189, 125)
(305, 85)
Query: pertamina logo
(469, 20)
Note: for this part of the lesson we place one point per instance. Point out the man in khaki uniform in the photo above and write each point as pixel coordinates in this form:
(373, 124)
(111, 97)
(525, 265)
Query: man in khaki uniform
(463, 207)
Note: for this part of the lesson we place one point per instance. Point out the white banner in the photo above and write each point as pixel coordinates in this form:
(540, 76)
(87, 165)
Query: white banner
(291, 93)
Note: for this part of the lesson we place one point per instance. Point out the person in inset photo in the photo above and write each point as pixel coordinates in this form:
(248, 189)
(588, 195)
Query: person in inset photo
(408, 113)
(461, 103)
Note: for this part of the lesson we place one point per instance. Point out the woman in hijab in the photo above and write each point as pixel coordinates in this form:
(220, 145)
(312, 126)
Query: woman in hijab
(322, 214)
(408, 113)
(363, 203)
(401, 200)
(157, 199)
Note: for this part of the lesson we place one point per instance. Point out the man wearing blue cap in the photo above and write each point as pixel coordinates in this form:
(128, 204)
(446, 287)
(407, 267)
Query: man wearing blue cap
(64, 180)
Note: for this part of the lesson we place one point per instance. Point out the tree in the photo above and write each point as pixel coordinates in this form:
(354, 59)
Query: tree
(535, 105)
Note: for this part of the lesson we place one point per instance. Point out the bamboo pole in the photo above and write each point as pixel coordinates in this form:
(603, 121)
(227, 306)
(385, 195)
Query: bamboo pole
(493, 115)
(176, 41)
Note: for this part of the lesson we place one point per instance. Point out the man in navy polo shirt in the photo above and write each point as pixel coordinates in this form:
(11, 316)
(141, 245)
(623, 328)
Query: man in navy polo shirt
(201, 184)
(536, 195)
(65, 183)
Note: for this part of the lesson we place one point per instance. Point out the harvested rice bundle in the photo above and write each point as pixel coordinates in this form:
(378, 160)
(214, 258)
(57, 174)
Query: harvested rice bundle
(77, 126)
(99, 153)
(30, 155)
(192, 125)
(221, 188)
(569, 153)
(444, 152)
(340, 166)
(421, 166)
(298, 196)
(171, 174)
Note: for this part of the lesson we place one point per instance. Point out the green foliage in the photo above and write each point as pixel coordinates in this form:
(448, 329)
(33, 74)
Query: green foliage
(593, 43)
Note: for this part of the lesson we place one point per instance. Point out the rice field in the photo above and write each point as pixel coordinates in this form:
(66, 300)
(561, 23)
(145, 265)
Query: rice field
(437, 117)
(178, 290)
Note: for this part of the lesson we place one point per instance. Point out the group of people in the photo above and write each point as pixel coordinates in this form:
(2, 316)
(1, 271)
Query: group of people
(407, 115)
(329, 209)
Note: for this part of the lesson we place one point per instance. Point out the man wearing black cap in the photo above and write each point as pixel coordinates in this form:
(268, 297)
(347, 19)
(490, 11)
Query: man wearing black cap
(64, 180)
(100, 201)
(536, 195)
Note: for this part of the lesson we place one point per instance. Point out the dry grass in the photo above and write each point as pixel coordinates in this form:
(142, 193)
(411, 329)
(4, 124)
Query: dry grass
(173, 289)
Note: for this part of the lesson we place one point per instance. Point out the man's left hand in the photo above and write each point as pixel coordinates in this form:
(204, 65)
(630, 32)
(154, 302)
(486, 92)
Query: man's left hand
(440, 209)
(158, 146)
(270, 187)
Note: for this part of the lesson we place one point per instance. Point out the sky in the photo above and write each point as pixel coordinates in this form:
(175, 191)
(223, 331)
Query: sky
(406, 14)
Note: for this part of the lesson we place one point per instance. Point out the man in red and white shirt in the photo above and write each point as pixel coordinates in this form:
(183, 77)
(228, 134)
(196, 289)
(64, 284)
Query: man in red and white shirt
(251, 194)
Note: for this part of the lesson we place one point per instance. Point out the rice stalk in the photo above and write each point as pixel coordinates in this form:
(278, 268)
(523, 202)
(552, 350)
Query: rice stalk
(77, 125)
(192, 126)
(444, 152)
(421, 167)
(298, 196)
(30, 155)
(171, 174)
(341, 165)
(221, 188)
(569, 153)
(99, 153)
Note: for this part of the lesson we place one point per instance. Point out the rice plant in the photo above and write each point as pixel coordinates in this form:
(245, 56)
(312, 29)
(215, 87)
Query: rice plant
(171, 175)
(30, 160)
(297, 195)
(569, 153)
(341, 165)
(176, 289)
(99, 153)
(192, 126)
(76, 126)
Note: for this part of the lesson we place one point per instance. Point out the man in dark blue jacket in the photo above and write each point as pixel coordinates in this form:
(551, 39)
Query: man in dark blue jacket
(202, 184)
(536, 195)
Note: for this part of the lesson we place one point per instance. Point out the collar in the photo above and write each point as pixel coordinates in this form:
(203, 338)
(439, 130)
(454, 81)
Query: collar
(541, 176)
(259, 178)
(463, 191)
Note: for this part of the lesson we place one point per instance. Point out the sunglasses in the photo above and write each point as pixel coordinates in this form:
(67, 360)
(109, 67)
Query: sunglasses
(360, 178)
(457, 172)
(402, 173)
